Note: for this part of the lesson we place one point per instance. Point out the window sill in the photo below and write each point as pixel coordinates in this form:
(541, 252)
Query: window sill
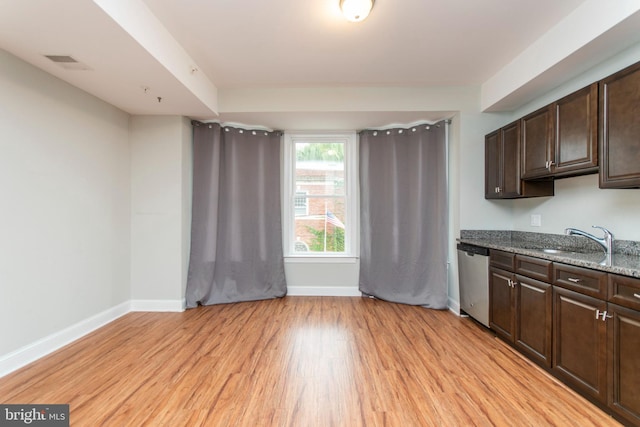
(326, 259)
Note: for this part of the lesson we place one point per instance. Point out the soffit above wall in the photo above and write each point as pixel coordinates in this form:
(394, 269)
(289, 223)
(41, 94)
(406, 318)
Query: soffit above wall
(163, 57)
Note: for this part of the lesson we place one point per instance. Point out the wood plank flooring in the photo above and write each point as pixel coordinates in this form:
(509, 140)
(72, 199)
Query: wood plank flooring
(298, 361)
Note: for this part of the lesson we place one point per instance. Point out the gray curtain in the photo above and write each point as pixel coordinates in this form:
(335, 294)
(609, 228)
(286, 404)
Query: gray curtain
(403, 210)
(236, 232)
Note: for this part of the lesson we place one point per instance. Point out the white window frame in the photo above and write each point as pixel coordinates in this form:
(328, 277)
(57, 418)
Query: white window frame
(350, 191)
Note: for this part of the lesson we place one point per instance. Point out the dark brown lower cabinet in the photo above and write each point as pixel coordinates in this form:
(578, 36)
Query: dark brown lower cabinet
(502, 298)
(580, 343)
(624, 362)
(520, 313)
(534, 306)
(583, 326)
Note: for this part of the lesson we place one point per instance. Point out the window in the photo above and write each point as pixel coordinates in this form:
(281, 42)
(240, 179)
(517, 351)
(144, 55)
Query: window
(319, 196)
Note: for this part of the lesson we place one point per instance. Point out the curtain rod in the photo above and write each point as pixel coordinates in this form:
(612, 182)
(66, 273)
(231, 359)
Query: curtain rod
(408, 125)
(235, 125)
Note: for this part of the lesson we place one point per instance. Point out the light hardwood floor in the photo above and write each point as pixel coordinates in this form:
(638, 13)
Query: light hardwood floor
(298, 361)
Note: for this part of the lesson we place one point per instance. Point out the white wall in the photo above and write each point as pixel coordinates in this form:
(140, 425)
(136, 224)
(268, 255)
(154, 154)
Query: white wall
(64, 216)
(324, 277)
(578, 202)
(160, 210)
(468, 208)
(466, 136)
(186, 142)
(90, 221)
(475, 211)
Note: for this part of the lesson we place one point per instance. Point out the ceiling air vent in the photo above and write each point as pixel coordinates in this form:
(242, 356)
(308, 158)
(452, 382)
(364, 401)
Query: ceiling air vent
(67, 62)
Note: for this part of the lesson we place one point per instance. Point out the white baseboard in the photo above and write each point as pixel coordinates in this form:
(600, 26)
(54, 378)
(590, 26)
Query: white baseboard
(323, 291)
(34, 351)
(158, 305)
(454, 306)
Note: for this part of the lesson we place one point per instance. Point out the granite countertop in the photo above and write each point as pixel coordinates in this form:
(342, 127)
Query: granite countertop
(575, 250)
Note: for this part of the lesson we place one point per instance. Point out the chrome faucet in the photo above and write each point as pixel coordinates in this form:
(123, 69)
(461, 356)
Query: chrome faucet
(606, 242)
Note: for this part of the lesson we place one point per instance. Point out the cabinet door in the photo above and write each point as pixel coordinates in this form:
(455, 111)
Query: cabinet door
(619, 129)
(533, 319)
(537, 146)
(579, 343)
(492, 166)
(576, 128)
(624, 362)
(502, 303)
(502, 167)
(510, 138)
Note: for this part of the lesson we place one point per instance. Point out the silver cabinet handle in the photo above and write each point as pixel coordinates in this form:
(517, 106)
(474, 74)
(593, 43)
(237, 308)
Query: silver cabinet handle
(636, 295)
(574, 280)
(603, 314)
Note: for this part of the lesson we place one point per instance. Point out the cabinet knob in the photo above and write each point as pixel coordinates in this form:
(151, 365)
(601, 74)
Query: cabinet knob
(573, 280)
(636, 295)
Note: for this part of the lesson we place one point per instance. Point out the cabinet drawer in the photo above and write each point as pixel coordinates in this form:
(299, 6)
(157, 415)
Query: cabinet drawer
(535, 268)
(583, 280)
(625, 291)
(504, 260)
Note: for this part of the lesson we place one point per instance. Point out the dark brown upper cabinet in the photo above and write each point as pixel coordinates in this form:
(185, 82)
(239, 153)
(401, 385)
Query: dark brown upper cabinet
(560, 140)
(576, 133)
(502, 167)
(619, 121)
(492, 169)
(537, 143)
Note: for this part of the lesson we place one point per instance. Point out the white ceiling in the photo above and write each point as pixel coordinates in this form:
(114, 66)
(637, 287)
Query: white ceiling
(186, 51)
(307, 43)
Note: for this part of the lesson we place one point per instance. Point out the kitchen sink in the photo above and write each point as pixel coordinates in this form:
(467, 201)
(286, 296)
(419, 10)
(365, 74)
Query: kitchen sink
(556, 251)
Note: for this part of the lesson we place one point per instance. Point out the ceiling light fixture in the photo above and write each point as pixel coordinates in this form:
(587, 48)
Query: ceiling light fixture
(356, 10)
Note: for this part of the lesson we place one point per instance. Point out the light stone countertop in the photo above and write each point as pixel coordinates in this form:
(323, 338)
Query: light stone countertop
(532, 244)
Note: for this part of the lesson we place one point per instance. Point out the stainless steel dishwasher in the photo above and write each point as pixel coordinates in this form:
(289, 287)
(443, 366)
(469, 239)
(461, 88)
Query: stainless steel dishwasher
(473, 275)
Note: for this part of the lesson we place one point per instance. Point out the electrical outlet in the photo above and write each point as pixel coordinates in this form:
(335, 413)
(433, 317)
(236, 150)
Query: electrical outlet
(536, 220)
